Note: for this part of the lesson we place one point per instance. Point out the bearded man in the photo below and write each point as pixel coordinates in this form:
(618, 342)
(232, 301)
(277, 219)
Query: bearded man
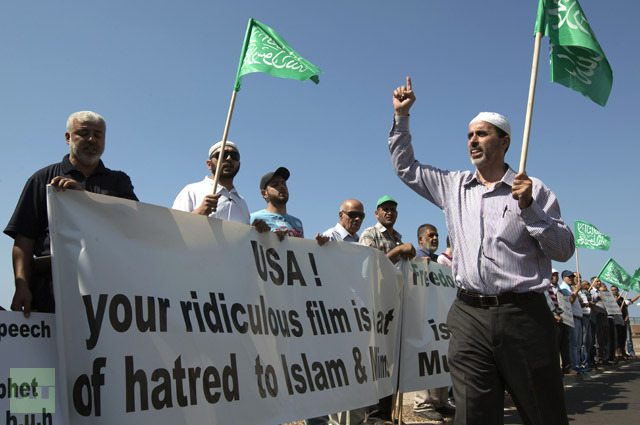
(81, 169)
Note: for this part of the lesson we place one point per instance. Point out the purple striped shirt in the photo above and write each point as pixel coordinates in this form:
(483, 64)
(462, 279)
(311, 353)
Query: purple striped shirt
(498, 247)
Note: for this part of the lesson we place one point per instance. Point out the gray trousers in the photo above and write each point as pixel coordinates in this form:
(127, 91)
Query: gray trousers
(510, 347)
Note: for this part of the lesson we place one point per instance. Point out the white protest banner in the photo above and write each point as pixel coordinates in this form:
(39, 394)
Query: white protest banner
(429, 292)
(565, 305)
(610, 303)
(169, 317)
(28, 370)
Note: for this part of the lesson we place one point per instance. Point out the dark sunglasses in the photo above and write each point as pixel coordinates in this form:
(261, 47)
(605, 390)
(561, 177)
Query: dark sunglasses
(354, 214)
(227, 154)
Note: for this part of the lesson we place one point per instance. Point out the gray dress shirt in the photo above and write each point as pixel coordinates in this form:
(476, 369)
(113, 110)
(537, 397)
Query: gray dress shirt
(499, 247)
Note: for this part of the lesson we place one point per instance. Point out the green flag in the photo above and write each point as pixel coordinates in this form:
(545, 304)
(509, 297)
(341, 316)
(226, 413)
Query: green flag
(614, 274)
(588, 236)
(577, 60)
(635, 279)
(264, 50)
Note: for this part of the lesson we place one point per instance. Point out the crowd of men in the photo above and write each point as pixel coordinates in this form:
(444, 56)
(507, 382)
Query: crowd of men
(506, 229)
(597, 338)
(82, 169)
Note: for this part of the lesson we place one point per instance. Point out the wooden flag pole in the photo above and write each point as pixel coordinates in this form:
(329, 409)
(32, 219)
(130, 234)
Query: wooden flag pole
(532, 95)
(216, 177)
(398, 407)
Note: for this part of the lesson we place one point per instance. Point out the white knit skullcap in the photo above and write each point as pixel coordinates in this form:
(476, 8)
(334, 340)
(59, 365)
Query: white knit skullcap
(494, 118)
(217, 146)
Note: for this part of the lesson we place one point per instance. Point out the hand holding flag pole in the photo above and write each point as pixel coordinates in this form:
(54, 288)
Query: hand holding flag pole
(263, 50)
(225, 133)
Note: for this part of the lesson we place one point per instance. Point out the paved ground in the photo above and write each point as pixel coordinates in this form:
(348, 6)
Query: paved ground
(610, 396)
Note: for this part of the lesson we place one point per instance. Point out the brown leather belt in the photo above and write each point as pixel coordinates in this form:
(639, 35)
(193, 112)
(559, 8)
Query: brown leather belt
(475, 299)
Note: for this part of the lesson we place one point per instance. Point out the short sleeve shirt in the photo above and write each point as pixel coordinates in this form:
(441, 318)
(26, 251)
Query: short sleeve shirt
(380, 238)
(231, 206)
(284, 222)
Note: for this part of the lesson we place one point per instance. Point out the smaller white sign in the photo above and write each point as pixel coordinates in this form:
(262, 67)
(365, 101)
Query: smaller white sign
(28, 369)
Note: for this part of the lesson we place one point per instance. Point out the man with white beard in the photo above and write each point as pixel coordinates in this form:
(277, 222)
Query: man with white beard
(81, 169)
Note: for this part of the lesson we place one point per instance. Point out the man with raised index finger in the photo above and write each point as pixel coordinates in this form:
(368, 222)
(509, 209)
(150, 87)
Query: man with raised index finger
(506, 228)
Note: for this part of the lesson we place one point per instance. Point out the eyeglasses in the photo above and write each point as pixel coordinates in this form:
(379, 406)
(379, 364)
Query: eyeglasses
(354, 214)
(227, 154)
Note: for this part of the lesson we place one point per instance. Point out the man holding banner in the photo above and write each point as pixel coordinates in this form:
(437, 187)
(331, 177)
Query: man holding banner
(80, 169)
(506, 228)
(433, 403)
(384, 237)
(350, 218)
(621, 329)
(602, 323)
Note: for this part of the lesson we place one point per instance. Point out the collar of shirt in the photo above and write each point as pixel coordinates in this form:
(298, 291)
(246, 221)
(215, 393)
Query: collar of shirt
(421, 253)
(221, 188)
(68, 168)
(383, 229)
(507, 178)
(344, 234)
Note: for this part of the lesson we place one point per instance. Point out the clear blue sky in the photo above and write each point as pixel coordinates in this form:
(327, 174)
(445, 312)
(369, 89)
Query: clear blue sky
(161, 72)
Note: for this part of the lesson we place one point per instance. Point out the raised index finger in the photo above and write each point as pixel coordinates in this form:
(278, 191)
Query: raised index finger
(409, 83)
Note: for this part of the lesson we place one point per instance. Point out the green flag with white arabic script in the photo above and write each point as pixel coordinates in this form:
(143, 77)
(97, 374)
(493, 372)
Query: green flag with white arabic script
(588, 236)
(265, 51)
(577, 60)
(614, 274)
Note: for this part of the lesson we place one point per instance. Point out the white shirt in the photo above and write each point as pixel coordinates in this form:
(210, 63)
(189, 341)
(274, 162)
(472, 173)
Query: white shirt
(339, 233)
(231, 206)
(445, 261)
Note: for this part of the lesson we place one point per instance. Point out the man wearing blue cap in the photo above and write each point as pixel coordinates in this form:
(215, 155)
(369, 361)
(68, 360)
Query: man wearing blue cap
(506, 228)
